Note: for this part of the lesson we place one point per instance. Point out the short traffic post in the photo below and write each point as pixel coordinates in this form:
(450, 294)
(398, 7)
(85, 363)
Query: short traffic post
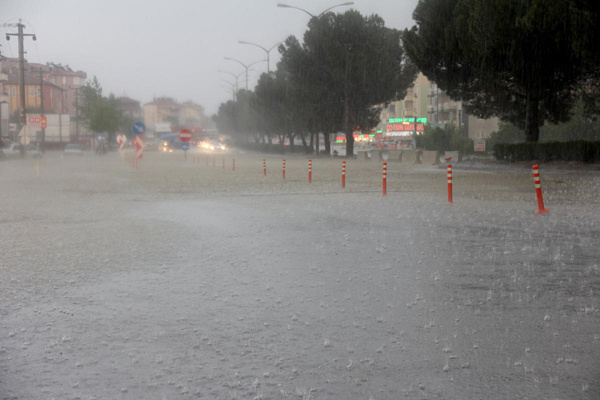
(139, 145)
(121, 139)
(538, 190)
(449, 183)
(283, 169)
(384, 178)
(264, 167)
(343, 174)
(309, 171)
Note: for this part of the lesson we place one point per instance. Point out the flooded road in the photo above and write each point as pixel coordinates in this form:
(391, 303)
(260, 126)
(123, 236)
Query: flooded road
(182, 280)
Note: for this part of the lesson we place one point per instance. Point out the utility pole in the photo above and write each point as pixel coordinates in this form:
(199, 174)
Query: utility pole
(21, 35)
(43, 139)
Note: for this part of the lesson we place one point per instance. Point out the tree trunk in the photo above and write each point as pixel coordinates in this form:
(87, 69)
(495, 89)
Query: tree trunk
(304, 144)
(532, 120)
(291, 136)
(327, 143)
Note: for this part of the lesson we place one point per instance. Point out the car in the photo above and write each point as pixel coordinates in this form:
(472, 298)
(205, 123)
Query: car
(35, 151)
(12, 150)
(73, 148)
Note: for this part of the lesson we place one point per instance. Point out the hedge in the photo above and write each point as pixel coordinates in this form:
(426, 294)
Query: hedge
(577, 150)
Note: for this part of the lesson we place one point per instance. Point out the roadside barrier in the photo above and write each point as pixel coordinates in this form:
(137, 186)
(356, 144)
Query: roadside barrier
(409, 156)
(430, 157)
(449, 183)
(343, 174)
(384, 179)
(538, 190)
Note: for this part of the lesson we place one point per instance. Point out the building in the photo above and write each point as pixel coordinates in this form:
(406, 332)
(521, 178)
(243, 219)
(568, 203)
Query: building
(443, 110)
(130, 108)
(162, 111)
(425, 103)
(165, 114)
(60, 85)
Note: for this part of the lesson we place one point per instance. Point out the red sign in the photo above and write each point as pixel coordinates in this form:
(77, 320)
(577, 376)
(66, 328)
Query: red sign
(185, 135)
(404, 127)
(139, 146)
(44, 122)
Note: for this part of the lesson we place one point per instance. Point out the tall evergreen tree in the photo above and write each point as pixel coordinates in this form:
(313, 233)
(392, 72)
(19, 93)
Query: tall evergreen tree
(347, 65)
(520, 60)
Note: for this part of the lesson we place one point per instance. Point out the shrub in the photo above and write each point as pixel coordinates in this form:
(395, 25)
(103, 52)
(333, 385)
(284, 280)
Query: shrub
(576, 150)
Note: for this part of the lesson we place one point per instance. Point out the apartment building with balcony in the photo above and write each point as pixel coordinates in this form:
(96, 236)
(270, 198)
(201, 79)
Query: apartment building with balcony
(425, 101)
(443, 110)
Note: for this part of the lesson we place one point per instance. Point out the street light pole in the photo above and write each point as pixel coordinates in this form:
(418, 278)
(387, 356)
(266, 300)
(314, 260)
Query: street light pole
(245, 66)
(348, 3)
(266, 51)
(236, 77)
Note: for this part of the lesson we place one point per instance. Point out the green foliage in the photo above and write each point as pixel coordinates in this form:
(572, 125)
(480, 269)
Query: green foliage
(448, 138)
(238, 118)
(578, 150)
(347, 65)
(520, 61)
(580, 127)
(507, 133)
(98, 113)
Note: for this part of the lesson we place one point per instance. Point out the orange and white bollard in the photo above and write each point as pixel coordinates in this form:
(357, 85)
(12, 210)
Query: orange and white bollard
(449, 183)
(309, 171)
(283, 169)
(265, 167)
(538, 190)
(343, 174)
(384, 178)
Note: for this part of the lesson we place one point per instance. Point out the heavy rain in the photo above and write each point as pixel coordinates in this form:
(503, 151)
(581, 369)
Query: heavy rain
(266, 247)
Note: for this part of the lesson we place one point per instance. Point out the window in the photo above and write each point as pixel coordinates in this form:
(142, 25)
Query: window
(31, 92)
(392, 109)
(39, 92)
(14, 91)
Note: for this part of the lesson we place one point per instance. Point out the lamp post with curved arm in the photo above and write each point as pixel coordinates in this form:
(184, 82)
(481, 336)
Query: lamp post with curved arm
(245, 66)
(236, 77)
(348, 3)
(266, 51)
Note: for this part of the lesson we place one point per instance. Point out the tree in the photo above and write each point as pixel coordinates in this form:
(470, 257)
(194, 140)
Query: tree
(522, 61)
(238, 118)
(347, 65)
(98, 113)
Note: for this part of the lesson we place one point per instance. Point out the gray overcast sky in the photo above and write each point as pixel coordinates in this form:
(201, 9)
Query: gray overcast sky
(151, 48)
